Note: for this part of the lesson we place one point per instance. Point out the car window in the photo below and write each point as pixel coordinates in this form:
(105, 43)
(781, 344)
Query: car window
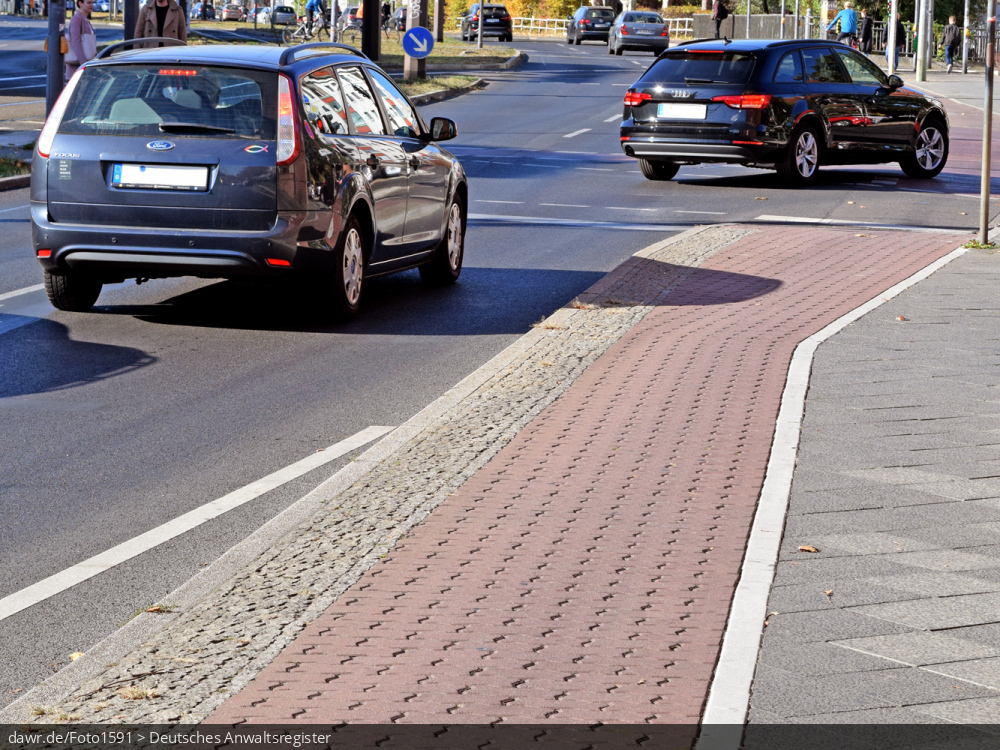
(323, 102)
(821, 66)
(862, 70)
(135, 99)
(701, 67)
(361, 106)
(402, 119)
(605, 14)
(789, 69)
(642, 18)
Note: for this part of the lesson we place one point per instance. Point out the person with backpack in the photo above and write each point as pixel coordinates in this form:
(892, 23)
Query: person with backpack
(719, 14)
(848, 19)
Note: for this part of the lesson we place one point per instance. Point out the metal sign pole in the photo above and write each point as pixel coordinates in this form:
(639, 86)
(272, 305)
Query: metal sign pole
(965, 40)
(984, 189)
(56, 73)
(891, 42)
(922, 41)
(748, 19)
(781, 29)
(795, 33)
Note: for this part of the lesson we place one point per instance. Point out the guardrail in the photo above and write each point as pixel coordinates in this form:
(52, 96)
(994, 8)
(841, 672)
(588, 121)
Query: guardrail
(680, 28)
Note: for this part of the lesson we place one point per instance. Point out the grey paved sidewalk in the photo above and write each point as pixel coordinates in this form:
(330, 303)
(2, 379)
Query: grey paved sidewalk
(896, 619)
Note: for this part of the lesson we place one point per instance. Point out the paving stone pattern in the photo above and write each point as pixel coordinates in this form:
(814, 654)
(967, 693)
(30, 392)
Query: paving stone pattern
(585, 573)
(218, 646)
(897, 617)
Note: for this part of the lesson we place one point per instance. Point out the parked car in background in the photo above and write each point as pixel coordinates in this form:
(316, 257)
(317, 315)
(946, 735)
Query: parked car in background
(590, 23)
(496, 22)
(209, 11)
(282, 15)
(792, 106)
(232, 12)
(397, 21)
(262, 14)
(102, 6)
(638, 30)
(349, 19)
(243, 161)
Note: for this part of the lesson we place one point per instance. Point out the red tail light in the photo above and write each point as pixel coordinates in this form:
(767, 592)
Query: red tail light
(280, 262)
(475, 18)
(288, 133)
(666, 31)
(44, 253)
(634, 98)
(745, 101)
(506, 18)
(584, 22)
(624, 30)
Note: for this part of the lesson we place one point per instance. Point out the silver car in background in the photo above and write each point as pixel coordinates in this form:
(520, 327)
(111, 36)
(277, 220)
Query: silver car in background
(638, 30)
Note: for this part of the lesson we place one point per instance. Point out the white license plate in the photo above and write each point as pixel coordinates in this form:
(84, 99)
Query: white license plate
(648, 33)
(600, 26)
(492, 20)
(682, 111)
(159, 177)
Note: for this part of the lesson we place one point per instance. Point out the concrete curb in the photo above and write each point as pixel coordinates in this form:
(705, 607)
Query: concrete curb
(15, 183)
(441, 94)
(233, 563)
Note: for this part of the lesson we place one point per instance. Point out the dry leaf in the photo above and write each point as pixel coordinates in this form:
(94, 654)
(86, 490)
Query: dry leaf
(901, 318)
(850, 203)
(760, 199)
(963, 213)
(157, 608)
(75, 655)
(17, 691)
(807, 548)
(864, 235)
(829, 595)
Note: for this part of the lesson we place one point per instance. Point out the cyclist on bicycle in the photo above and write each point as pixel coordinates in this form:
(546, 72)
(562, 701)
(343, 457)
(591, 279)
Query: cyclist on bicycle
(848, 23)
(317, 8)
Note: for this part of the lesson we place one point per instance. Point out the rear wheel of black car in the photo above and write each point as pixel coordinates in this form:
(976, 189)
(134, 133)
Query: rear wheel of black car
(72, 292)
(569, 39)
(800, 162)
(465, 36)
(658, 170)
(342, 290)
(930, 152)
(446, 265)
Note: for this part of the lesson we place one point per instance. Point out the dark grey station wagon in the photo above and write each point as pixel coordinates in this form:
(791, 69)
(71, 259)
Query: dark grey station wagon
(242, 161)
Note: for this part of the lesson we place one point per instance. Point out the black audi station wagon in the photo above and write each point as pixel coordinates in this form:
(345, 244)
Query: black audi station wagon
(242, 161)
(787, 105)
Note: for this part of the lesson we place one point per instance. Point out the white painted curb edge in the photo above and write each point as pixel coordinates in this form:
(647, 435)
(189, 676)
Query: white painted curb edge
(729, 696)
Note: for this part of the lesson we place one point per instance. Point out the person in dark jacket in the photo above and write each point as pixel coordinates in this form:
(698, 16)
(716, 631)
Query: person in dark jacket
(719, 14)
(950, 39)
(865, 32)
(900, 43)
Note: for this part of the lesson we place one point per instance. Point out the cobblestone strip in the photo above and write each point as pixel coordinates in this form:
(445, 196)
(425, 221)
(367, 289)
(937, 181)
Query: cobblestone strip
(218, 645)
(585, 574)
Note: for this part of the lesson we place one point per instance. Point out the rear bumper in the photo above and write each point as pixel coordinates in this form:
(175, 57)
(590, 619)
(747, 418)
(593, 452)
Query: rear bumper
(656, 43)
(490, 30)
(602, 35)
(128, 252)
(696, 151)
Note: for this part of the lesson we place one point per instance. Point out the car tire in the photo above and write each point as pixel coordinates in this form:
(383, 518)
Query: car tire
(342, 288)
(800, 162)
(576, 39)
(72, 292)
(930, 152)
(618, 49)
(446, 264)
(465, 36)
(569, 39)
(658, 170)
(611, 50)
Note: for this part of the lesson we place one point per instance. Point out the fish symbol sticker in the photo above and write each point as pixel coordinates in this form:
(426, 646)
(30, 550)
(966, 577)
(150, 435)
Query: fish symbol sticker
(255, 149)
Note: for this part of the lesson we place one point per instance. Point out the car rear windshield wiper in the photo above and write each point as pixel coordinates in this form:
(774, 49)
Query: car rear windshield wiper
(191, 127)
(701, 80)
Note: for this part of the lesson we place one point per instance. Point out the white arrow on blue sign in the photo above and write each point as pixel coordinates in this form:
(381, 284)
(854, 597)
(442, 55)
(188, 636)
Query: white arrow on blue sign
(418, 42)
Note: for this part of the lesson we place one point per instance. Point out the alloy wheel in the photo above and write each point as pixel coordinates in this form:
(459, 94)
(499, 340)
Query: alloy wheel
(455, 236)
(806, 154)
(352, 266)
(930, 148)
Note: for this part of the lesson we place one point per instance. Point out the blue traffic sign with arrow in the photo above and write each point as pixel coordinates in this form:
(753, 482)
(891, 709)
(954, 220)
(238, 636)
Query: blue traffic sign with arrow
(418, 42)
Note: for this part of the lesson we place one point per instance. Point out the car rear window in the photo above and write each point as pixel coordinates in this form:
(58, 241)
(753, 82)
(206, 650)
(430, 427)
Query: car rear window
(134, 100)
(642, 18)
(701, 67)
(605, 13)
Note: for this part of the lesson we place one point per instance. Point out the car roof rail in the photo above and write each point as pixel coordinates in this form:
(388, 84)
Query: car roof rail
(289, 55)
(111, 48)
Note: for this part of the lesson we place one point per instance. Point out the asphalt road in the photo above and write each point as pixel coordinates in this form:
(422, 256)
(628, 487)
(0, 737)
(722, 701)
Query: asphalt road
(172, 394)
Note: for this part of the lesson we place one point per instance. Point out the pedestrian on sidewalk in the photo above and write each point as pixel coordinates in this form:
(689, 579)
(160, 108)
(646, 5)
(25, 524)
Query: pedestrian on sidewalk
(900, 43)
(950, 39)
(81, 38)
(848, 23)
(162, 18)
(719, 14)
(865, 32)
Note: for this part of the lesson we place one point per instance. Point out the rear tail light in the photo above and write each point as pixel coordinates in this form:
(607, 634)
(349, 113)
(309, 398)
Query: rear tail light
(745, 101)
(584, 22)
(666, 31)
(280, 262)
(634, 98)
(48, 133)
(506, 18)
(44, 253)
(475, 18)
(288, 134)
(624, 31)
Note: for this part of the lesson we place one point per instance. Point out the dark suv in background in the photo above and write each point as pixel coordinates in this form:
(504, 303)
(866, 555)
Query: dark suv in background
(788, 105)
(590, 23)
(232, 161)
(496, 22)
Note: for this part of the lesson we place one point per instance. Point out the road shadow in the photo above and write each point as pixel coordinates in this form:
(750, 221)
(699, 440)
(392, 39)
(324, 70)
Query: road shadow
(42, 358)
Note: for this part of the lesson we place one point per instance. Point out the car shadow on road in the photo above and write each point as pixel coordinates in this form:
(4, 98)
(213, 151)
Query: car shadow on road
(485, 301)
(42, 358)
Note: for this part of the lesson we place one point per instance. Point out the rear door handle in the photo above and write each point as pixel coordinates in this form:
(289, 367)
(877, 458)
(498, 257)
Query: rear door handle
(823, 100)
(372, 161)
(414, 163)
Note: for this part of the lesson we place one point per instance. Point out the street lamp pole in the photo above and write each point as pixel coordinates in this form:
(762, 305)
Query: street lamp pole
(922, 41)
(891, 43)
(984, 187)
(795, 33)
(54, 58)
(965, 40)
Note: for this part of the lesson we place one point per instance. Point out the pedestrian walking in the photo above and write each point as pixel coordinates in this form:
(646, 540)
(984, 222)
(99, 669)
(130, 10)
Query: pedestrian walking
(162, 18)
(81, 38)
(865, 32)
(950, 39)
(848, 19)
(719, 14)
(900, 42)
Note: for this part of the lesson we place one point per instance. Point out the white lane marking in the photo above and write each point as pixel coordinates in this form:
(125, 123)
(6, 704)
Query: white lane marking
(564, 205)
(18, 104)
(579, 223)
(519, 203)
(118, 554)
(635, 62)
(595, 169)
(29, 86)
(846, 223)
(627, 208)
(19, 292)
(547, 166)
(577, 132)
(22, 78)
(613, 118)
(729, 696)
(16, 208)
(713, 213)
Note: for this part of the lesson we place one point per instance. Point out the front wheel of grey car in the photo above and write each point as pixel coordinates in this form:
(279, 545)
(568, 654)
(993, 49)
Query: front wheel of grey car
(658, 170)
(446, 265)
(72, 292)
(800, 162)
(930, 152)
(344, 284)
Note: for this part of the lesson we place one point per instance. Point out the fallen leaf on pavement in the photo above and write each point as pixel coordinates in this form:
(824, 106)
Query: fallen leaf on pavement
(829, 595)
(75, 655)
(850, 203)
(863, 235)
(17, 691)
(807, 548)
(902, 318)
(962, 213)
(760, 199)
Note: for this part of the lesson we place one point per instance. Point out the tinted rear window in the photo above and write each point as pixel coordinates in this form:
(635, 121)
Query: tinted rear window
(690, 67)
(135, 99)
(605, 13)
(642, 18)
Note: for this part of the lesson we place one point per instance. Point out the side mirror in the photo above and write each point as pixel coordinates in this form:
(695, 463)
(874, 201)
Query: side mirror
(443, 129)
(895, 82)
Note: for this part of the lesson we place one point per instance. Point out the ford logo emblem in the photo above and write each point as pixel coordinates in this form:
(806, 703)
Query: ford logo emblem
(160, 145)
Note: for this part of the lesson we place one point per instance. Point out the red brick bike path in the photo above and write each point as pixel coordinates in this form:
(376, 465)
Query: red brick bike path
(585, 573)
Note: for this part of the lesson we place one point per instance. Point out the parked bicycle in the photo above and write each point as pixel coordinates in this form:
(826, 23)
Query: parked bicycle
(304, 32)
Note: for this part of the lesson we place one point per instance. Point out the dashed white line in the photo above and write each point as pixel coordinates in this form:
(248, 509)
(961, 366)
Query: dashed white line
(577, 223)
(577, 132)
(595, 169)
(613, 118)
(18, 104)
(16, 208)
(627, 208)
(19, 292)
(547, 166)
(714, 213)
(519, 203)
(55, 584)
(564, 205)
